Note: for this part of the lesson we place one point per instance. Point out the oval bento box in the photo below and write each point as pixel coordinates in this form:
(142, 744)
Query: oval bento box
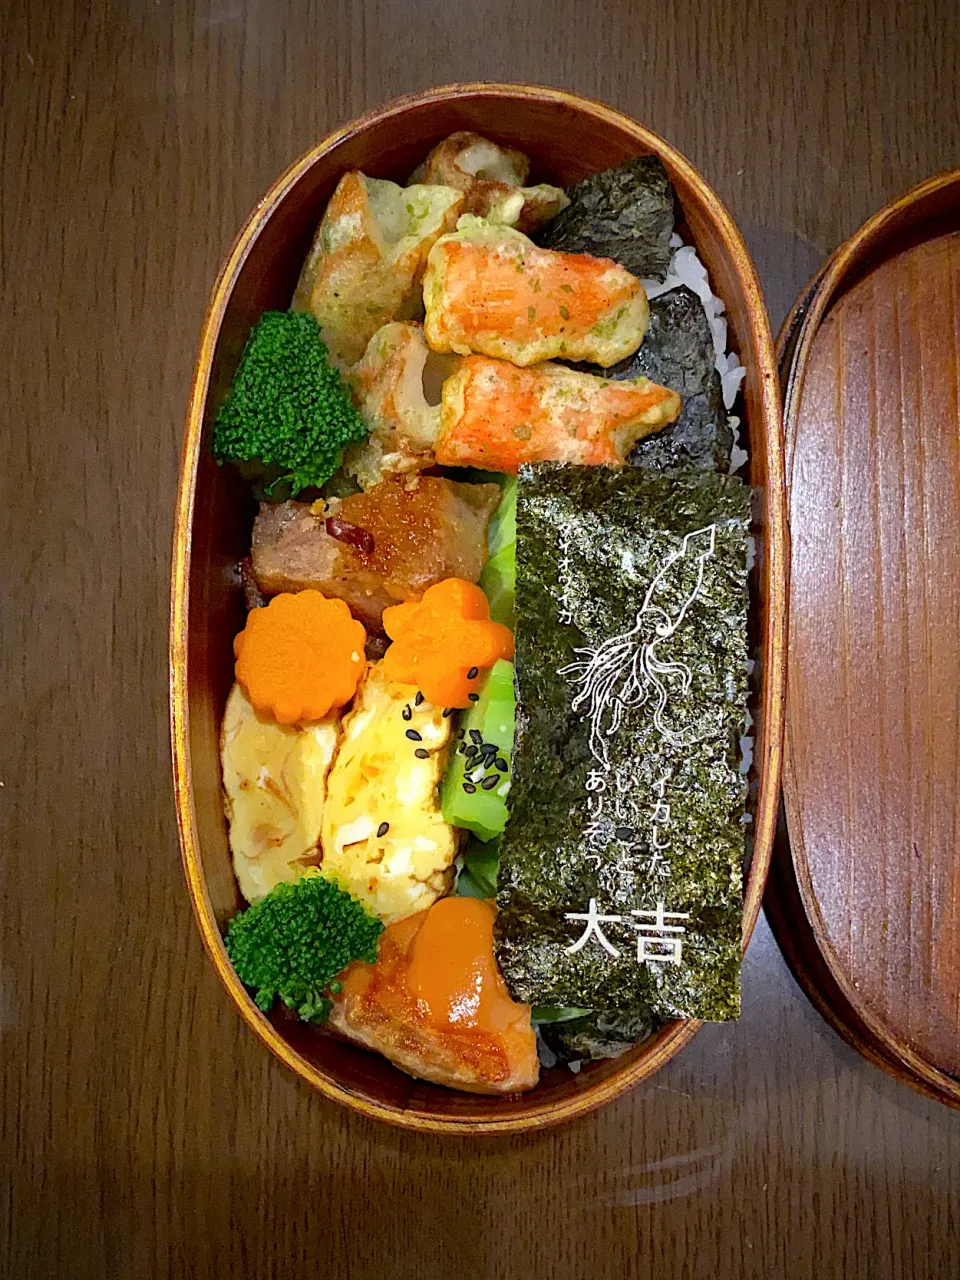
(566, 137)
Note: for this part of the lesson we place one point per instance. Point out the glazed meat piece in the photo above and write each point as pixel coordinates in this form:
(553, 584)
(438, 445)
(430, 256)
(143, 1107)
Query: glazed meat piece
(392, 542)
(492, 180)
(436, 1006)
(490, 290)
(368, 257)
(497, 416)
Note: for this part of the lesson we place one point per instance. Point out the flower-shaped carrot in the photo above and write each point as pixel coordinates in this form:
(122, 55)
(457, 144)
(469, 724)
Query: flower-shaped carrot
(444, 642)
(300, 656)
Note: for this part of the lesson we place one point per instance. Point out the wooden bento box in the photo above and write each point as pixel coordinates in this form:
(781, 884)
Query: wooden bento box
(566, 136)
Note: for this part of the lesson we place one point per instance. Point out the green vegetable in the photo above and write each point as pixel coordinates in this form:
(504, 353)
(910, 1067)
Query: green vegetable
(499, 581)
(464, 800)
(545, 1014)
(295, 941)
(502, 532)
(288, 410)
(631, 676)
(477, 870)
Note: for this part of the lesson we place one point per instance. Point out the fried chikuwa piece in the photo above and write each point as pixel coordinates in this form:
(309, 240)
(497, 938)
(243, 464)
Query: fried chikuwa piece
(492, 180)
(368, 257)
(497, 416)
(490, 290)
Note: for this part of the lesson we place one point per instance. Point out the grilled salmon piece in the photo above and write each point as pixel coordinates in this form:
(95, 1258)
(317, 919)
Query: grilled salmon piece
(496, 416)
(436, 1006)
(490, 290)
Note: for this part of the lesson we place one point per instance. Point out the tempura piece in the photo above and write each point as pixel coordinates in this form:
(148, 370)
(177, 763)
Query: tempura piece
(368, 257)
(275, 781)
(496, 416)
(384, 837)
(377, 548)
(436, 1006)
(390, 387)
(490, 290)
(492, 178)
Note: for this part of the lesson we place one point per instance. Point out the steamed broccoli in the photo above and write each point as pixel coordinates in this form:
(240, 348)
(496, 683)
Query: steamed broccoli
(288, 409)
(295, 941)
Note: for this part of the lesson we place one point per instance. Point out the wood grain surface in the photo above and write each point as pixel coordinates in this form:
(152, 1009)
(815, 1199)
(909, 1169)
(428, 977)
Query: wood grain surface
(871, 786)
(145, 1132)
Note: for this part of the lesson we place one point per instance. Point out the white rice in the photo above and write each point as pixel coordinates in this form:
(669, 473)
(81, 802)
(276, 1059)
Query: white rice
(686, 268)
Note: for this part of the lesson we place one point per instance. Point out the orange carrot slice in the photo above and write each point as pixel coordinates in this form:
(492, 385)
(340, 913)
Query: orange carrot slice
(300, 656)
(445, 642)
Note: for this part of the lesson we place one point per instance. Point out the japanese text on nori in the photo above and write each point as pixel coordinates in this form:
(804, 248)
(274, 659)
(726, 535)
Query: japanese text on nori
(620, 868)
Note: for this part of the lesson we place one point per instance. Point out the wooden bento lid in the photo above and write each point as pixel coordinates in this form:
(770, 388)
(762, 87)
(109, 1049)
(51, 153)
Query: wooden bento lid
(864, 894)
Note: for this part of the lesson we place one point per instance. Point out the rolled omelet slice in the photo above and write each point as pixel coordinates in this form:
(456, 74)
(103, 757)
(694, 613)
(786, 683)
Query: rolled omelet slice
(384, 837)
(490, 290)
(274, 781)
(368, 258)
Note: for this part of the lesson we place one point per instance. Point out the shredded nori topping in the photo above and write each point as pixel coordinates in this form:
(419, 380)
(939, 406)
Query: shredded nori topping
(594, 546)
(625, 213)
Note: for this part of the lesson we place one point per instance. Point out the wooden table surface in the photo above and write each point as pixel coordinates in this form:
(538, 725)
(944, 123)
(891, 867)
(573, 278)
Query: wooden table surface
(146, 1133)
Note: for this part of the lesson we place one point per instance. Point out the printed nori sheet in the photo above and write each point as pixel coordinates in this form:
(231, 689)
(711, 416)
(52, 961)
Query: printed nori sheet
(625, 213)
(604, 559)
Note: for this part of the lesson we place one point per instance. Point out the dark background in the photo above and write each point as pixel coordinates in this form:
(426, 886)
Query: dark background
(146, 1133)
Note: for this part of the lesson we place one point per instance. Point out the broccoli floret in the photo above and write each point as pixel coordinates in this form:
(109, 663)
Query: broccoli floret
(295, 941)
(288, 408)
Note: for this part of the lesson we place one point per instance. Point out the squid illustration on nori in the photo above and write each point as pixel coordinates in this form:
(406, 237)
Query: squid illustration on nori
(626, 670)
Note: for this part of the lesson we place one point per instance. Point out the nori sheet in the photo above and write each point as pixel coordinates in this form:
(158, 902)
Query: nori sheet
(602, 561)
(625, 213)
(597, 1034)
(677, 352)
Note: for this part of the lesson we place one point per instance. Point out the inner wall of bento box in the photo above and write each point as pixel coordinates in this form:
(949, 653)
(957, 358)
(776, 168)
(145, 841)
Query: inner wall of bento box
(224, 508)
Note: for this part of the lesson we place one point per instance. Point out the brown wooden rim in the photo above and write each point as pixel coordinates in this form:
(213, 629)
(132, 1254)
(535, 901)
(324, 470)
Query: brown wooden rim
(675, 1035)
(792, 907)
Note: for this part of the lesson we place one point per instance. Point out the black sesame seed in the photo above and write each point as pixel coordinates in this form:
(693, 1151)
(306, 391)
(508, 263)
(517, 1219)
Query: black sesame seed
(489, 750)
(407, 713)
(476, 736)
(489, 783)
(414, 736)
(471, 752)
(462, 747)
(422, 754)
(418, 699)
(473, 673)
(501, 765)
(474, 697)
(460, 734)
(448, 712)
(623, 833)
(382, 830)
(469, 788)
